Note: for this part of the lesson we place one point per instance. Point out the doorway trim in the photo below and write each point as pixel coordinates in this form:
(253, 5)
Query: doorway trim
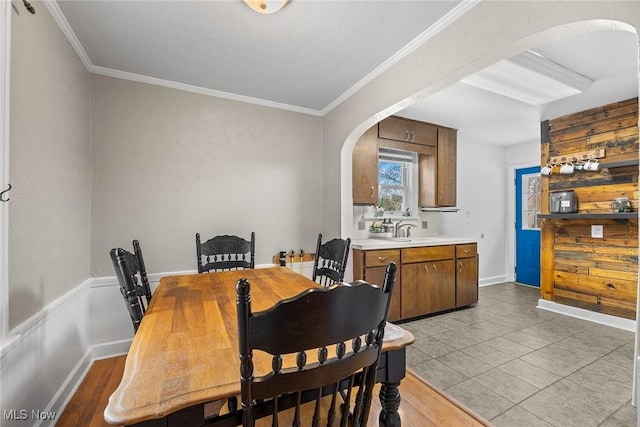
(5, 83)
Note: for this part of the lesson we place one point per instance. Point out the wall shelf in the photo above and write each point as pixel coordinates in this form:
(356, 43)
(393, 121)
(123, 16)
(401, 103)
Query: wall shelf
(619, 164)
(623, 215)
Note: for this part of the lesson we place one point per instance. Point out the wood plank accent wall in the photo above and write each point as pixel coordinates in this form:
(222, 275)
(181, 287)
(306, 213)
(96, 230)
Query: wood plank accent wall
(597, 274)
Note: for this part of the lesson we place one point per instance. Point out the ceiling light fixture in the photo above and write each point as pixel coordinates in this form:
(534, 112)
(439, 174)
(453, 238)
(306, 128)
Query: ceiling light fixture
(531, 78)
(266, 6)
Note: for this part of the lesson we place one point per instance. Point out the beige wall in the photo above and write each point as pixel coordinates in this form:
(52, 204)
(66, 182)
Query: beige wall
(168, 164)
(50, 168)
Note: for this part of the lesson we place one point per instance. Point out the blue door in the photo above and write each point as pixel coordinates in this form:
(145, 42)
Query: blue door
(527, 226)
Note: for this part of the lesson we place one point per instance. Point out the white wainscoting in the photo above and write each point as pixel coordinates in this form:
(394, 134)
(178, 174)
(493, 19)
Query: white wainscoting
(47, 358)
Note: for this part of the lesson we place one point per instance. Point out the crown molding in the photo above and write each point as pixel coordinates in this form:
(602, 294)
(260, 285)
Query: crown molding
(55, 11)
(204, 91)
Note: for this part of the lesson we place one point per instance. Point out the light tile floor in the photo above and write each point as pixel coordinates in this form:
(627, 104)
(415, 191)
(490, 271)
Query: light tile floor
(517, 365)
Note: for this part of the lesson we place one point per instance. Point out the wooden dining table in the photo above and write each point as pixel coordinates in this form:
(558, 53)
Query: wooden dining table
(185, 353)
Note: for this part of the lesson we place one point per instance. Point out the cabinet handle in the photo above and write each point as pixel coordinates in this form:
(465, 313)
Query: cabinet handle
(413, 136)
(459, 266)
(382, 258)
(426, 269)
(467, 251)
(407, 138)
(372, 192)
(441, 194)
(435, 268)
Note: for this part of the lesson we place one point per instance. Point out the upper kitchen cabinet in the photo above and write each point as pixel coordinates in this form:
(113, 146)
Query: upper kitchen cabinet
(365, 169)
(437, 174)
(447, 153)
(436, 150)
(407, 130)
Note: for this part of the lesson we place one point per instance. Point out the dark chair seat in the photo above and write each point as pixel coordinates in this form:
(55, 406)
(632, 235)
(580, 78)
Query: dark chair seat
(343, 353)
(330, 260)
(134, 284)
(225, 253)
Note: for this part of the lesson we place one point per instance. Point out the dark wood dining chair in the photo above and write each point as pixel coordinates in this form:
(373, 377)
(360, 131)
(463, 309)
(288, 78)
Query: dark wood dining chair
(134, 284)
(225, 253)
(330, 260)
(348, 344)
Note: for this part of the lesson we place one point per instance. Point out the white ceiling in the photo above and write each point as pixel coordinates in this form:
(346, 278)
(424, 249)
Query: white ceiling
(304, 57)
(311, 55)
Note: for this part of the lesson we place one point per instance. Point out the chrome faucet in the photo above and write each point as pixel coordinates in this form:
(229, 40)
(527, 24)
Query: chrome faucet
(399, 225)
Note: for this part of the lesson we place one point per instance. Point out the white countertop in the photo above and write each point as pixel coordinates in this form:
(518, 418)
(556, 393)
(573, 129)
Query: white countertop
(409, 242)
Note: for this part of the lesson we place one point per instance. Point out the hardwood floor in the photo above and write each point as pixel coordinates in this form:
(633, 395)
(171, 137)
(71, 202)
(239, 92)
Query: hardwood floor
(422, 405)
(88, 403)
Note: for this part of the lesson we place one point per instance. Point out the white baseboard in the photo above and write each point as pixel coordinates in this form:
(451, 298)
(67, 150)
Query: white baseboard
(494, 280)
(70, 386)
(592, 316)
(110, 349)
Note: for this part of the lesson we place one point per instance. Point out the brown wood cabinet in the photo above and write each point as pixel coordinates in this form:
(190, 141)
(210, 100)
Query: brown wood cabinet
(430, 279)
(371, 266)
(365, 169)
(429, 287)
(447, 155)
(407, 130)
(437, 150)
(466, 275)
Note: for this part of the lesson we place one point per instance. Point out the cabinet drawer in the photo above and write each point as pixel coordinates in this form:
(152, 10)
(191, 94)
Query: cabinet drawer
(427, 253)
(466, 251)
(383, 257)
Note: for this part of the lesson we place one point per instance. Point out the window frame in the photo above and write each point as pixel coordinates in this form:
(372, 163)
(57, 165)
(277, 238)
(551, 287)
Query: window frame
(409, 162)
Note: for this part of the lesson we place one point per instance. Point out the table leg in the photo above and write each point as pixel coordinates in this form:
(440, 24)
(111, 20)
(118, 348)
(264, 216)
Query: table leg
(390, 402)
(392, 369)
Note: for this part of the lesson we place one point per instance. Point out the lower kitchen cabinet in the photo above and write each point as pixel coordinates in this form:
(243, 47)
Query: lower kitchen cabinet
(466, 281)
(427, 287)
(371, 267)
(429, 279)
(466, 275)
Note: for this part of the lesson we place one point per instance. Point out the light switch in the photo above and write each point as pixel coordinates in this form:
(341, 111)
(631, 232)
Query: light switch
(597, 231)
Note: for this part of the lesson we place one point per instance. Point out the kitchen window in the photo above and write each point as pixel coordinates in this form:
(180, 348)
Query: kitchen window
(397, 182)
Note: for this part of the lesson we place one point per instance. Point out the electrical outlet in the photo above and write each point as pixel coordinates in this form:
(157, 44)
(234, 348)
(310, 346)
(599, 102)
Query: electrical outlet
(361, 225)
(597, 231)
(425, 224)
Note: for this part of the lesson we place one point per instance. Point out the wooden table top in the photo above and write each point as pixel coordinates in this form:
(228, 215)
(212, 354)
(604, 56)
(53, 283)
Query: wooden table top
(186, 349)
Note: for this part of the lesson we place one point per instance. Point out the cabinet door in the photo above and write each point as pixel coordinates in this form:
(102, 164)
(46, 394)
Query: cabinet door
(375, 275)
(407, 130)
(427, 287)
(365, 169)
(466, 281)
(424, 134)
(395, 128)
(447, 150)
(427, 172)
